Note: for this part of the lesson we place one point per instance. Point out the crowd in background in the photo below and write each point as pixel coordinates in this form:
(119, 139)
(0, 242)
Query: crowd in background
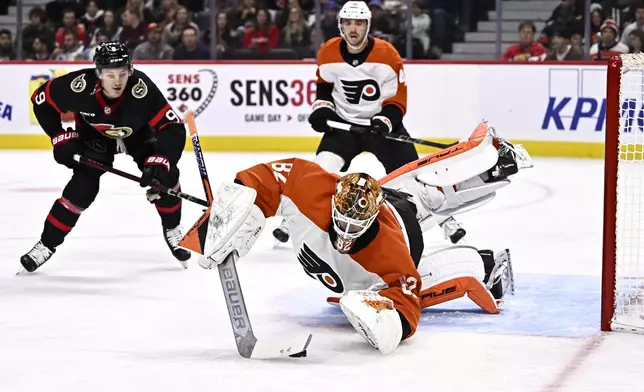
(245, 29)
(616, 27)
(286, 29)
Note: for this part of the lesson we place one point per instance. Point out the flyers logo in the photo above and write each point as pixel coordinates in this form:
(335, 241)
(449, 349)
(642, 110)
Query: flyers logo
(354, 90)
(316, 268)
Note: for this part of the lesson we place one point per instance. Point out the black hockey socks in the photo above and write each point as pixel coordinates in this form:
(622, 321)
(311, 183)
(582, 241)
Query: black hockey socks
(61, 220)
(169, 208)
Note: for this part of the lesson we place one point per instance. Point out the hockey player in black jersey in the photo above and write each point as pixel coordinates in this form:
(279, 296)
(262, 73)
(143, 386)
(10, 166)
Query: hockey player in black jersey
(117, 109)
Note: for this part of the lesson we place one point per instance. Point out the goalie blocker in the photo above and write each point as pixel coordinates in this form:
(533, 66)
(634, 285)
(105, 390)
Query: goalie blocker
(368, 247)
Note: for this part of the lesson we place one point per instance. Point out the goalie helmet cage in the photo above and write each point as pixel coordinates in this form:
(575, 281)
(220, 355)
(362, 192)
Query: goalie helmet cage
(622, 306)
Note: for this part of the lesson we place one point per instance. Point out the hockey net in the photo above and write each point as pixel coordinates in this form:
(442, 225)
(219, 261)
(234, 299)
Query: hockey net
(623, 258)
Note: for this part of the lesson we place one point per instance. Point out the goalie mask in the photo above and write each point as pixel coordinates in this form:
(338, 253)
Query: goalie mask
(354, 207)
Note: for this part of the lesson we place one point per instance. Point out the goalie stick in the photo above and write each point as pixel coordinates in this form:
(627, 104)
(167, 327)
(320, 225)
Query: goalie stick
(248, 345)
(391, 136)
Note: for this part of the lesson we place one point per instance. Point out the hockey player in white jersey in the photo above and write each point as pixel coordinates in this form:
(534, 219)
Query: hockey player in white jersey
(363, 241)
(360, 80)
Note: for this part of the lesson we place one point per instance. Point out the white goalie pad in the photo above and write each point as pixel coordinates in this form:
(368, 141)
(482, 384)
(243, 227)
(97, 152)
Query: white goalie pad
(461, 166)
(443, 263)
(235, 223)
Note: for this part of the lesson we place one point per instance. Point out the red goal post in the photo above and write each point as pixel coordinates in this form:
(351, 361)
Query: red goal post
(622, 306)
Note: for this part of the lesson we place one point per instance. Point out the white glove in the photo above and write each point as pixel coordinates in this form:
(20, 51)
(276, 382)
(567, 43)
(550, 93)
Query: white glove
(374, 317)
(235, 224)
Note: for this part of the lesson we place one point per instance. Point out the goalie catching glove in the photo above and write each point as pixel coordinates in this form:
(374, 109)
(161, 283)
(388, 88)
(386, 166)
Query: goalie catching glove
(235, 223)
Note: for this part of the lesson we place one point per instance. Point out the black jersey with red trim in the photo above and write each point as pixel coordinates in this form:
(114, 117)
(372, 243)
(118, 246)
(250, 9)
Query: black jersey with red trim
(141, 107)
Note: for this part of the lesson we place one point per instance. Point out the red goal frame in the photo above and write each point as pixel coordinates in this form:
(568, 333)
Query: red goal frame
(611, 159)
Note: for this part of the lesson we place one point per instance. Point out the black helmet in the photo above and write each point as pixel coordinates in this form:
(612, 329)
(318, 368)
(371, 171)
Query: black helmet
(111, 55)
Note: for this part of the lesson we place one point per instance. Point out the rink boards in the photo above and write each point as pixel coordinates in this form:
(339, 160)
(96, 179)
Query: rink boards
(554, 109)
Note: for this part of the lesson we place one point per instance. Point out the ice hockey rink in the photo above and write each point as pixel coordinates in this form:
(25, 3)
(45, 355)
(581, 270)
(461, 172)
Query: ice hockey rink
(113, 311)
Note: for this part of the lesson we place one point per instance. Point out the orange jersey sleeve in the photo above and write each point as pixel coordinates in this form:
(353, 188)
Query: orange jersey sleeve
(308, 185)
(388, 256)
(383, 52)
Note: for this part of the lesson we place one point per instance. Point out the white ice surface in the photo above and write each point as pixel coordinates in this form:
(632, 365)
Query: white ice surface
(113, 311)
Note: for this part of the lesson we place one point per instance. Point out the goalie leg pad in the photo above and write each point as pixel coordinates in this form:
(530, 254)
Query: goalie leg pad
(374, 318)
(451, 273)
(234, 225)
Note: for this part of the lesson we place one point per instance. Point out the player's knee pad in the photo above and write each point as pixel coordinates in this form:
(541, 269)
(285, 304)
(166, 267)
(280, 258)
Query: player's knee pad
(329, 161)
(82, 189)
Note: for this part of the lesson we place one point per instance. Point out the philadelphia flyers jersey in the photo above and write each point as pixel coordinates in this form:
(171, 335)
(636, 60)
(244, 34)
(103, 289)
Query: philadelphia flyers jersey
(141, 108)
(384, 257)
(365, 84)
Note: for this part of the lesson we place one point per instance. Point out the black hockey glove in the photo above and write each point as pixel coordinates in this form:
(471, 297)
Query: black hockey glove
(322, 111)
(156, 167)
(66, 145)
(381, 125)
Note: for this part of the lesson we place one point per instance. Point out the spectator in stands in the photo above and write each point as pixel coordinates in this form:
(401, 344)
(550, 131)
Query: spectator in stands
(609, 44)
(153, 48)
(420, 24)
(567, 10)
(577, 41)
(42, 48)
(597, 18)
(88, 53)
(172, 32)
(383, 24)
(134, 30)
(6, 46)
(70, 25)
(295, 35)
(56, 8)
(36, 28)
(283, 16)
(71, 50)
(562, 50)
(190, 49)
(164, 13)
(527, 49)
(636, 41)
(109, 28)
(93, 18)
(442, 14)
(637, 24)
(137, 6)
(310, 52)
(228, 38)
(562, 17)
(263, 35)
(329, 23)
(246, 13)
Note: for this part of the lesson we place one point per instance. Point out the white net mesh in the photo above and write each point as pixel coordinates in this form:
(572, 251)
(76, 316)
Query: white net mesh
(629, 274)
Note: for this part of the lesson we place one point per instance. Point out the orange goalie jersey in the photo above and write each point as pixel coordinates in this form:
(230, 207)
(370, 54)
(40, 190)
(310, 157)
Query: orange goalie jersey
(301, 192)
(363, 87)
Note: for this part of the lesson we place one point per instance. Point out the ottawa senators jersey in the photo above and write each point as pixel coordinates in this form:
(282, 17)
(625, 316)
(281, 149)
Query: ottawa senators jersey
(301, 192)
(365, 84)
(141, 107)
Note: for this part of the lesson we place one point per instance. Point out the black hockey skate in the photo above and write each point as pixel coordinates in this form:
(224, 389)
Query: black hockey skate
(281, 233)
(36, 257)
(172, 238)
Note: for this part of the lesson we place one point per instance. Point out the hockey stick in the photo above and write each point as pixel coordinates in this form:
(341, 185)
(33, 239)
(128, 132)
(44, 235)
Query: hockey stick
(154, 185)
(390, 136)
(248, 345)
